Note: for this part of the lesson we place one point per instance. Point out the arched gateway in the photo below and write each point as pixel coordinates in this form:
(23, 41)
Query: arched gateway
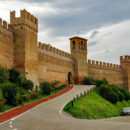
(69, 78)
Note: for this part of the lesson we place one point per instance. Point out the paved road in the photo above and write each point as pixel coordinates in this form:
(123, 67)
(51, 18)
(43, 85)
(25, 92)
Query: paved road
(48, 116)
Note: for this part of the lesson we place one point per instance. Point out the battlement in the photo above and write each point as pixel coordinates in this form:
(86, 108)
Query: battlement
(125, 58)
(5, 25)
(5, 30)
(104, 65)
(53, 50)
(25, 18)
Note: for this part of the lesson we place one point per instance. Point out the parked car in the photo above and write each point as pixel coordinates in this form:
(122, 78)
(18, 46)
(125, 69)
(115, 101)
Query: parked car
(125, 111)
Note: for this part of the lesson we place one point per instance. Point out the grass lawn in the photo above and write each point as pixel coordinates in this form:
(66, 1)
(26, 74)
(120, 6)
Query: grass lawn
(7, 107)
(94, 106)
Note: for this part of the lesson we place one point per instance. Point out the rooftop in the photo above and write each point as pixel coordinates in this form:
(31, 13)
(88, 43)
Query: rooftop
(77, 37)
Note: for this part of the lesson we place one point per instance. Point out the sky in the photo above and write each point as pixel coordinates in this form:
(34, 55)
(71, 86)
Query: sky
(105, 23)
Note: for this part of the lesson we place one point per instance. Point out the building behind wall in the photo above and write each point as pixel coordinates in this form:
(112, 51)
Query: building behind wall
(41, 62)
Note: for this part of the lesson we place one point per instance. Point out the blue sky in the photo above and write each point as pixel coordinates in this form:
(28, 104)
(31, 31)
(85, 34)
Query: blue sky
(105, 23)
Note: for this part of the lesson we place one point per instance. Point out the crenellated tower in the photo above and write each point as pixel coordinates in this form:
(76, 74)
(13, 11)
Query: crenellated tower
(78, 48)
(25, 29)
(125, 65)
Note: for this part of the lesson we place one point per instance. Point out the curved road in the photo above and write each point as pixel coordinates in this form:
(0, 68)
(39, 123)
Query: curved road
(49, 116)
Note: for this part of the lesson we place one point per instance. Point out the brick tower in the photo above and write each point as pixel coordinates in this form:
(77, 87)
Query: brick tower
(78, 48)
(25, 29)
(125, 65)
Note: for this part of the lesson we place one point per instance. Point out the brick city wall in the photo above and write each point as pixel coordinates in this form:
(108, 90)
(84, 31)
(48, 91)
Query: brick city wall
(112, 72)
(54, 64)
(42, 62)
(6, 45)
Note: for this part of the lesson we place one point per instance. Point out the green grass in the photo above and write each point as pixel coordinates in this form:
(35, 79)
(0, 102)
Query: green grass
(93, 106)
(8, 107)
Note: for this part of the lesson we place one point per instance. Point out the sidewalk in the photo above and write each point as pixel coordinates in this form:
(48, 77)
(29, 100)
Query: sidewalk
(19, 110)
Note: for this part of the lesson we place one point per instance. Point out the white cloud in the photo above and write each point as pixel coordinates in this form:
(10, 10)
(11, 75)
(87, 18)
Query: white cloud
(111, 42)
(107, 43)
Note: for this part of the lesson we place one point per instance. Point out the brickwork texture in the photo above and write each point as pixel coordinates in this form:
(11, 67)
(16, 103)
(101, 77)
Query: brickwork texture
(19, 48)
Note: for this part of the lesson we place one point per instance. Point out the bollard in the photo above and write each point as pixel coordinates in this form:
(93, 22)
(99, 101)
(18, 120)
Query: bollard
(74, 99)
(84, 93)
(77, 96)
(80, 94)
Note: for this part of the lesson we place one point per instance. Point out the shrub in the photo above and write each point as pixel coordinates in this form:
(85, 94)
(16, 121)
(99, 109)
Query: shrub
(112, 97)
(105, 81)
(19, 100)
(89, 81)
(4, 75)
(29, 85)
(125, 92)
(26, 97)
(104, 90)
(45, 88)
(2, 103)
(116, 89)
(121, 96)
(21, 91)
(34, 95)
(54, 84)
(100, 82)
(9, 91)
(29, 96)
(14, 75)
(107, 92)
(25, 84)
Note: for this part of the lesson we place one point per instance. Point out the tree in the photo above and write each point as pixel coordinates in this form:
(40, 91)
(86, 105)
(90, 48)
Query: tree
(89, 81)
(45, 88)
(14, 75)
(9, 91)
(25, 84)
(4, 75)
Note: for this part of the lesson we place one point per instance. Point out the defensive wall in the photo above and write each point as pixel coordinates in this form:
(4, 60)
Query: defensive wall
(6, 44)
(112, 72)
(53, 64)
(25, 29)
(19, 47)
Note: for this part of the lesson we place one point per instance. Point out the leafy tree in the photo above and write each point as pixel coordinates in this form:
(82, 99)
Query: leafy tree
(108, 93)
(45, 88)
(25, 84)
(2, 103)
(4, 75)
(112, 97)
(116, 89)
(100, 82)
(9, 91)
(89, 81)
(125, 92)
(14, 75)
(29, 85)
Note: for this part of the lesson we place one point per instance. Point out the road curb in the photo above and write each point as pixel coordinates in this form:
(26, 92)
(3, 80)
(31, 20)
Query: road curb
(19, 110)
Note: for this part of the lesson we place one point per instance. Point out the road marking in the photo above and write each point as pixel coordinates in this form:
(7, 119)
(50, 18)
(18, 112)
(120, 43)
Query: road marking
(35, 107)
(10, 122)
(11, 126)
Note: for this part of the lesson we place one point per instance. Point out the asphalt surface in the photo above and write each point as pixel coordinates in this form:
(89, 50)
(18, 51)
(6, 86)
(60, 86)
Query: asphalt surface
(49, 116)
